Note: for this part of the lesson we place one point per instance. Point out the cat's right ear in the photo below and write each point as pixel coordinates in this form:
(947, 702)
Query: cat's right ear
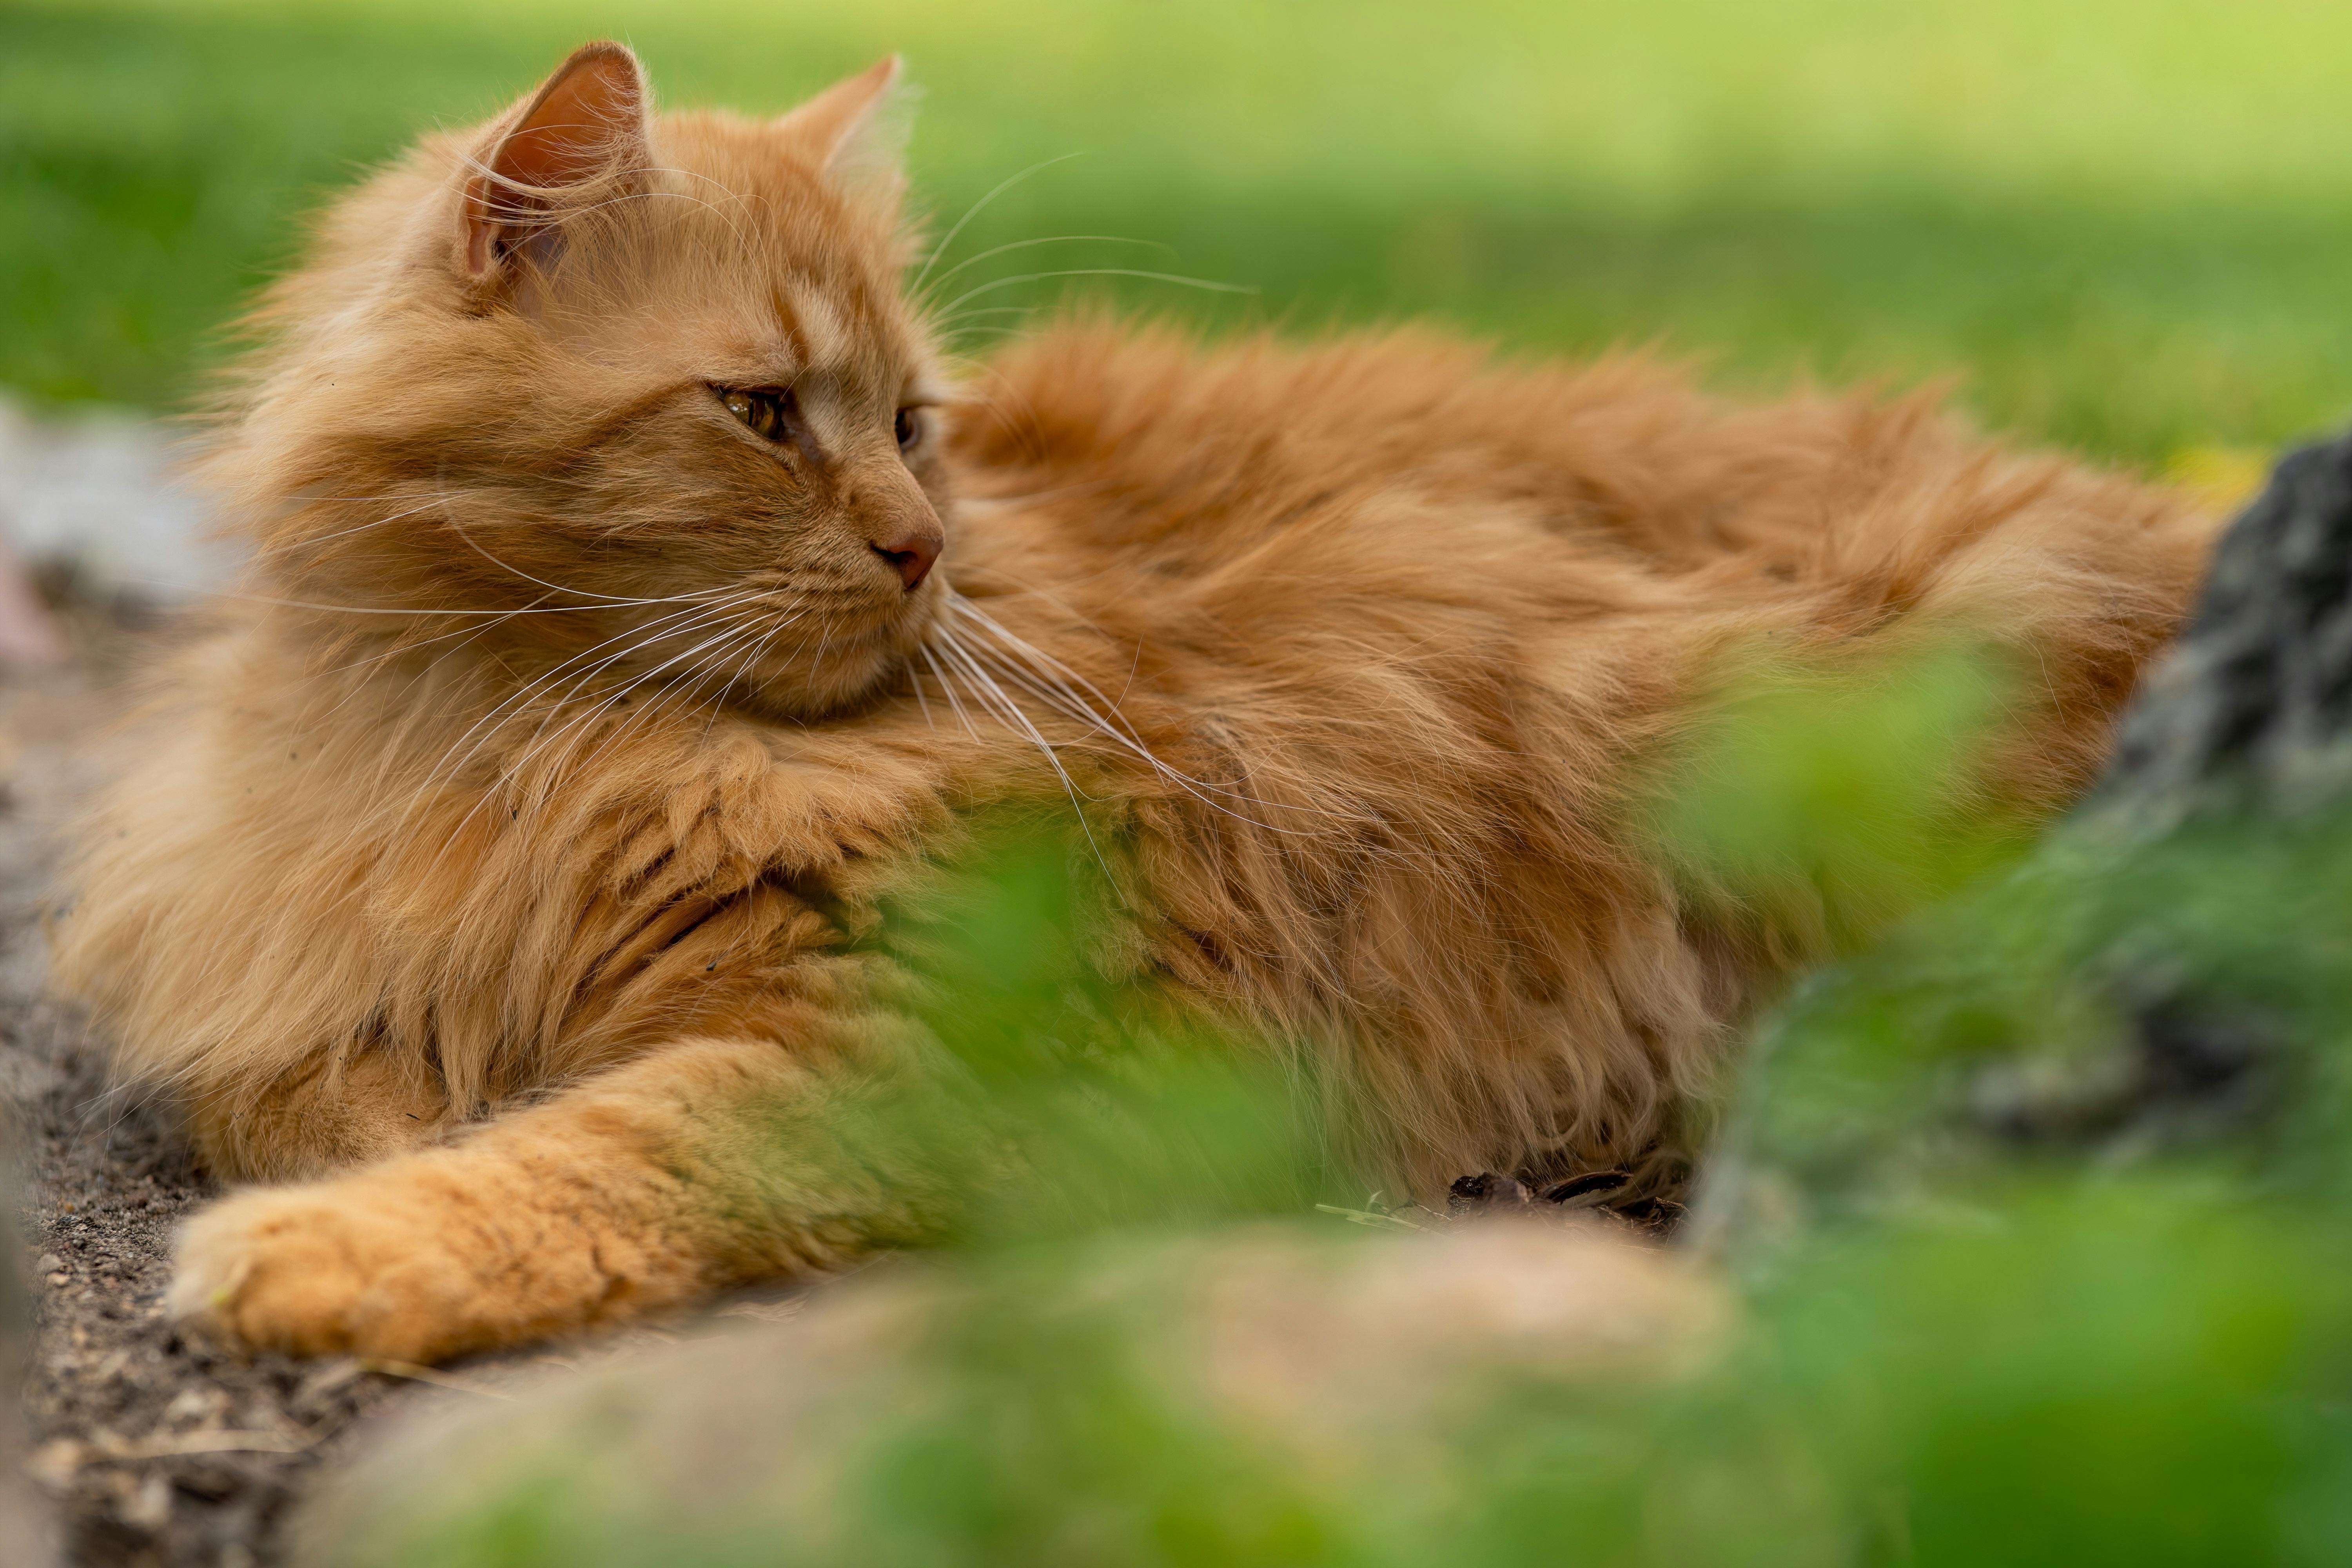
(857, 127)
(587, 124)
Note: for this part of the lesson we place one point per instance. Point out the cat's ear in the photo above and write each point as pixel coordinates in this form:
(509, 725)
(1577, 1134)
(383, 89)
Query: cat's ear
(857, 127)
(585, 125)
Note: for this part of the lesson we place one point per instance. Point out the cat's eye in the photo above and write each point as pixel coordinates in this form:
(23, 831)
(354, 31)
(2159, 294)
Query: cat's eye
(910, 428)
(764, 412)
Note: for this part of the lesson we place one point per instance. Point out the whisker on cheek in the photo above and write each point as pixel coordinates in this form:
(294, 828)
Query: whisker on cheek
(1064, 692)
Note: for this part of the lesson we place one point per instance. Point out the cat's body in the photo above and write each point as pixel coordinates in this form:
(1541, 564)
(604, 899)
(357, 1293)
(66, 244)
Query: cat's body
(1354, 653)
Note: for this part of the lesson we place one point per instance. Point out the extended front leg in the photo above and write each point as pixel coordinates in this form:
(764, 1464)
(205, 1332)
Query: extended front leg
(704, 1164)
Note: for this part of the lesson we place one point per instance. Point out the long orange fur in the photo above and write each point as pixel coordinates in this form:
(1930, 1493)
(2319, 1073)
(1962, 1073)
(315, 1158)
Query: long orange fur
(484, 886)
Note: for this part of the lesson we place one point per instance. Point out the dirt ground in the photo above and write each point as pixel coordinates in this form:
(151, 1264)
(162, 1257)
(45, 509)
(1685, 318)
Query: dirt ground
(151, 1449)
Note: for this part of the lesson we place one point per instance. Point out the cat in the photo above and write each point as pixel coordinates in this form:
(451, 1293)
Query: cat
(639, 592)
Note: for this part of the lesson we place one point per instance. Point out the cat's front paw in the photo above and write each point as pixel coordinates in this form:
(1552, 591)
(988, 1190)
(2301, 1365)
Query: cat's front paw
(322, 1270)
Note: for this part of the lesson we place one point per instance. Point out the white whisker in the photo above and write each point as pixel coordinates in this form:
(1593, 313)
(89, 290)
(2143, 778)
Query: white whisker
(1051, 239)
(973, 211)
(1067, 692)
(579, 727)
(947, 687)
(484, 728)
(1210, 285)
(984, 688)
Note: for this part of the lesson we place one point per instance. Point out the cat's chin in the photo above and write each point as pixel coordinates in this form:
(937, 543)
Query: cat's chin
(855, 673)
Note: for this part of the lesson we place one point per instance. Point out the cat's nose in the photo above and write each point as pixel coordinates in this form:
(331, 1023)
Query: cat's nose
(911, 551)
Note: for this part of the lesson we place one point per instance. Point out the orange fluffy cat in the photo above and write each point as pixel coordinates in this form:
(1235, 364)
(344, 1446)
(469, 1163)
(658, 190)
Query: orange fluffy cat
(637, 597)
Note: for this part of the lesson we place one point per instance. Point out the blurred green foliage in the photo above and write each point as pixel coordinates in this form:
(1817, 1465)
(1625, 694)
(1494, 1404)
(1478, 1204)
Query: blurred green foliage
(1058, 1104)
(2087, 1320)
(2119, 226)
(1825, 799)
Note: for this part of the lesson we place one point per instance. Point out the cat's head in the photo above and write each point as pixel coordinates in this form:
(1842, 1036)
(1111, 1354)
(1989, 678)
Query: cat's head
(635, 397)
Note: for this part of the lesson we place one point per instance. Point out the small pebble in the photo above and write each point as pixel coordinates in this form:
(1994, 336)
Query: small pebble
(149, 1507)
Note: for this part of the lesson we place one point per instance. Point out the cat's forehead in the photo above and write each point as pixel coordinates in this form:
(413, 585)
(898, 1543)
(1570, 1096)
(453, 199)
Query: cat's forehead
(806, 272)
(757, 183)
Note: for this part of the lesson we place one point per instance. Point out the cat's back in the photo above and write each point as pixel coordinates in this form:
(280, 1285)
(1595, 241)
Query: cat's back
(1191, 452)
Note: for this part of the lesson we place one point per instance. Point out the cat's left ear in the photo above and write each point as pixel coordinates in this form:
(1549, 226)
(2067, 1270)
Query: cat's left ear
(858, 128)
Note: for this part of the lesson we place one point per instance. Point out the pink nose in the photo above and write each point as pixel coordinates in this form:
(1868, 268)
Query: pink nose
(913, 553)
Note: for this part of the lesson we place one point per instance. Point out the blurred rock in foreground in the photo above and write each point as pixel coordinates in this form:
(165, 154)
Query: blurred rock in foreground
(98, 494)
(1231, 1382)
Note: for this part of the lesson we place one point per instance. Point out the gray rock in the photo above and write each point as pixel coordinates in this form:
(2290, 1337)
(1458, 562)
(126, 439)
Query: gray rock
(100, 491)
(2162, 975)
(1344, 1359)
(2251, 710)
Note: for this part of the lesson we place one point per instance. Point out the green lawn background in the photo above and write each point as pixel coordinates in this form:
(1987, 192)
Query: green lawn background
(2125, 227)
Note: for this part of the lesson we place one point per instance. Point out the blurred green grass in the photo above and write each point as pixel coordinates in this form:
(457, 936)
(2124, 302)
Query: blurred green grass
(2116, 226)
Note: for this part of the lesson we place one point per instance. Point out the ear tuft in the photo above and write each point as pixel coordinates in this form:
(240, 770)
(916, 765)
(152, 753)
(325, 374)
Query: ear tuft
(857, 127)
(587, 122)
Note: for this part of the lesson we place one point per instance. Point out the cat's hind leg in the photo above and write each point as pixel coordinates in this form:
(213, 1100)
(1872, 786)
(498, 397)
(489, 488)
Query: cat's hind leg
(703, 1165)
